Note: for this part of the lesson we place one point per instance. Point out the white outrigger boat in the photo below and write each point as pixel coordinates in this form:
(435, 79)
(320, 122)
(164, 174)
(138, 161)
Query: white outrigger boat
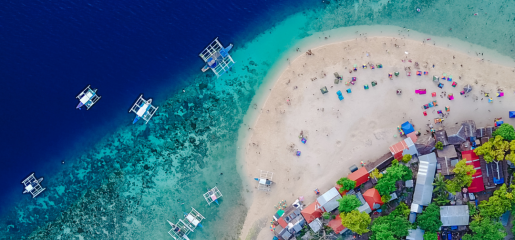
(32, 185)
(213, 195)
(265, 180)
(88, 97)
(217, 58)
(185, 226)
(143, 109)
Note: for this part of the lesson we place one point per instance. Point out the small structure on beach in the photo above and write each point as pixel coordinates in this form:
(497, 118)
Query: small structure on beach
(212, 195)
(143, 109)
(404, 147)
(424, 185)
(328, 201)
(185, 226)
(457, 215)
(477, 184)
(88, 97)
(467, 88)
(264, 180)
(447, 158)
(32, 185)
(373, 198)
(217, 58)
(360, 176)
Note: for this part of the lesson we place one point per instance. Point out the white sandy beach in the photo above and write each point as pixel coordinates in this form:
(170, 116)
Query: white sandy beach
(363, 125)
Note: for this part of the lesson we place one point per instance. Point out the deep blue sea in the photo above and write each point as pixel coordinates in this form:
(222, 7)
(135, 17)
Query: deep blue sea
(51, 50)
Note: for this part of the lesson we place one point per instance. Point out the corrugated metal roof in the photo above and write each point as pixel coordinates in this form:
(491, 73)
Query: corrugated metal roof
(328, 200)
(415, 234)
(425, 177)
(454, 215)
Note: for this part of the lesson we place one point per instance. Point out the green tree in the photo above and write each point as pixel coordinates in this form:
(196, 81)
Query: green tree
(498, 204)
(472, 208)
(494, 150)
(439, 145)
(406, 158)
(348, 203)
(394, 173)
(346, 184)
(385, 198)
(429, 220)
(389, 227)
(401, 210)
(376, 174)
(506, 131)
(440, 190)
(462, 176)
(485, 229)
(430, 236)
(326, 215)
(356, 221)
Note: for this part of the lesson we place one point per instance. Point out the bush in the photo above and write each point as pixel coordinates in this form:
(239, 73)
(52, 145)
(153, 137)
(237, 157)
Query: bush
(406, 158)
(430, 236)
(326, 215)
(439, 145)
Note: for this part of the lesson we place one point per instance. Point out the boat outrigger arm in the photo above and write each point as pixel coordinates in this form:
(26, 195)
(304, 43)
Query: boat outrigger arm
(217, 58)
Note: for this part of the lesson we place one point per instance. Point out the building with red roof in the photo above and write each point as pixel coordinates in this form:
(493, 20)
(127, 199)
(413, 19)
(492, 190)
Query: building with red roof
(336, 225)
(311, 212)
(406, 146)
(360, 176)
(477, 179)
(373, 198)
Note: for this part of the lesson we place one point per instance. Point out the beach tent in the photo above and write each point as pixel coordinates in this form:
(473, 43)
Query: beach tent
(360, 176)
(512, 114)
(407, 128)
(311, 212)
(324, 90)
(373, 198)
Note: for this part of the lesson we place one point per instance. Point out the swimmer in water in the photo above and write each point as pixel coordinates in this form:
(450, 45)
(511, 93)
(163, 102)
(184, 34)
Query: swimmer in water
(418, 9)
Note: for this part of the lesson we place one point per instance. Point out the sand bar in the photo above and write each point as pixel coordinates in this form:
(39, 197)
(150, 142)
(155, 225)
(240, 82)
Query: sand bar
(363, 125)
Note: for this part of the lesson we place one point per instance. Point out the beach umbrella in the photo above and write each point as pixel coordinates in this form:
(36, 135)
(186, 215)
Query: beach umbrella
(301, 198)
(399, 92)
(467, 88)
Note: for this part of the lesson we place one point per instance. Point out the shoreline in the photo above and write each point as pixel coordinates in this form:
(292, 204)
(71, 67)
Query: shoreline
(252, 222)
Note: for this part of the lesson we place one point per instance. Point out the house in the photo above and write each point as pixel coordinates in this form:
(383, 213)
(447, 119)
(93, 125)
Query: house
(484, 132)
(457, 215)
(316, 225)
(487, 171)
(404, 147)
(381, 163)
(336, 225)
(446, 160)
(311, 212)
(441, 136)
(456, 135)
(292, 219)
(328, 201)
(415, 234)
(364, 205)
(284, 234)
(373, 198)
(477, 179)
(425, 144)
(424, 184)
(360, 176)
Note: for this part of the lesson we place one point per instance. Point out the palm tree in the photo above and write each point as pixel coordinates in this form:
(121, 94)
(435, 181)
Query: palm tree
(440, 184)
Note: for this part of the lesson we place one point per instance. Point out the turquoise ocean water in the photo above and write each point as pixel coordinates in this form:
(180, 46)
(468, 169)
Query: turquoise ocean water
(133, 180)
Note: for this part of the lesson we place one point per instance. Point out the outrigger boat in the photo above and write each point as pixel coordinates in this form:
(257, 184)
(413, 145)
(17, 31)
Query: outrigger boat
(265, 180)
(32, 185)
(143, 109)
(185, 226)
(213, 195)
(88, 97)
(217, 58)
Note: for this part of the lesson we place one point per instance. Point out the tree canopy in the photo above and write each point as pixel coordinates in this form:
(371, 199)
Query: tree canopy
(494, 149)
(401, 210)
(389, 227)
(439, 145)
(498, 204)
(485, 229)
(429, 220)
(346, 184)
(430, 236)
(356, 221)
(506, 131)
(462, 176)
(394, 173)
(440, 190)
(376, 174)
(348, 203)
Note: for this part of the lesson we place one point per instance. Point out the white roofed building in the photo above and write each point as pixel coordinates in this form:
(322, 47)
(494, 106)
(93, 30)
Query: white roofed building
(457, 215)
(328, 201)
(424, 184)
